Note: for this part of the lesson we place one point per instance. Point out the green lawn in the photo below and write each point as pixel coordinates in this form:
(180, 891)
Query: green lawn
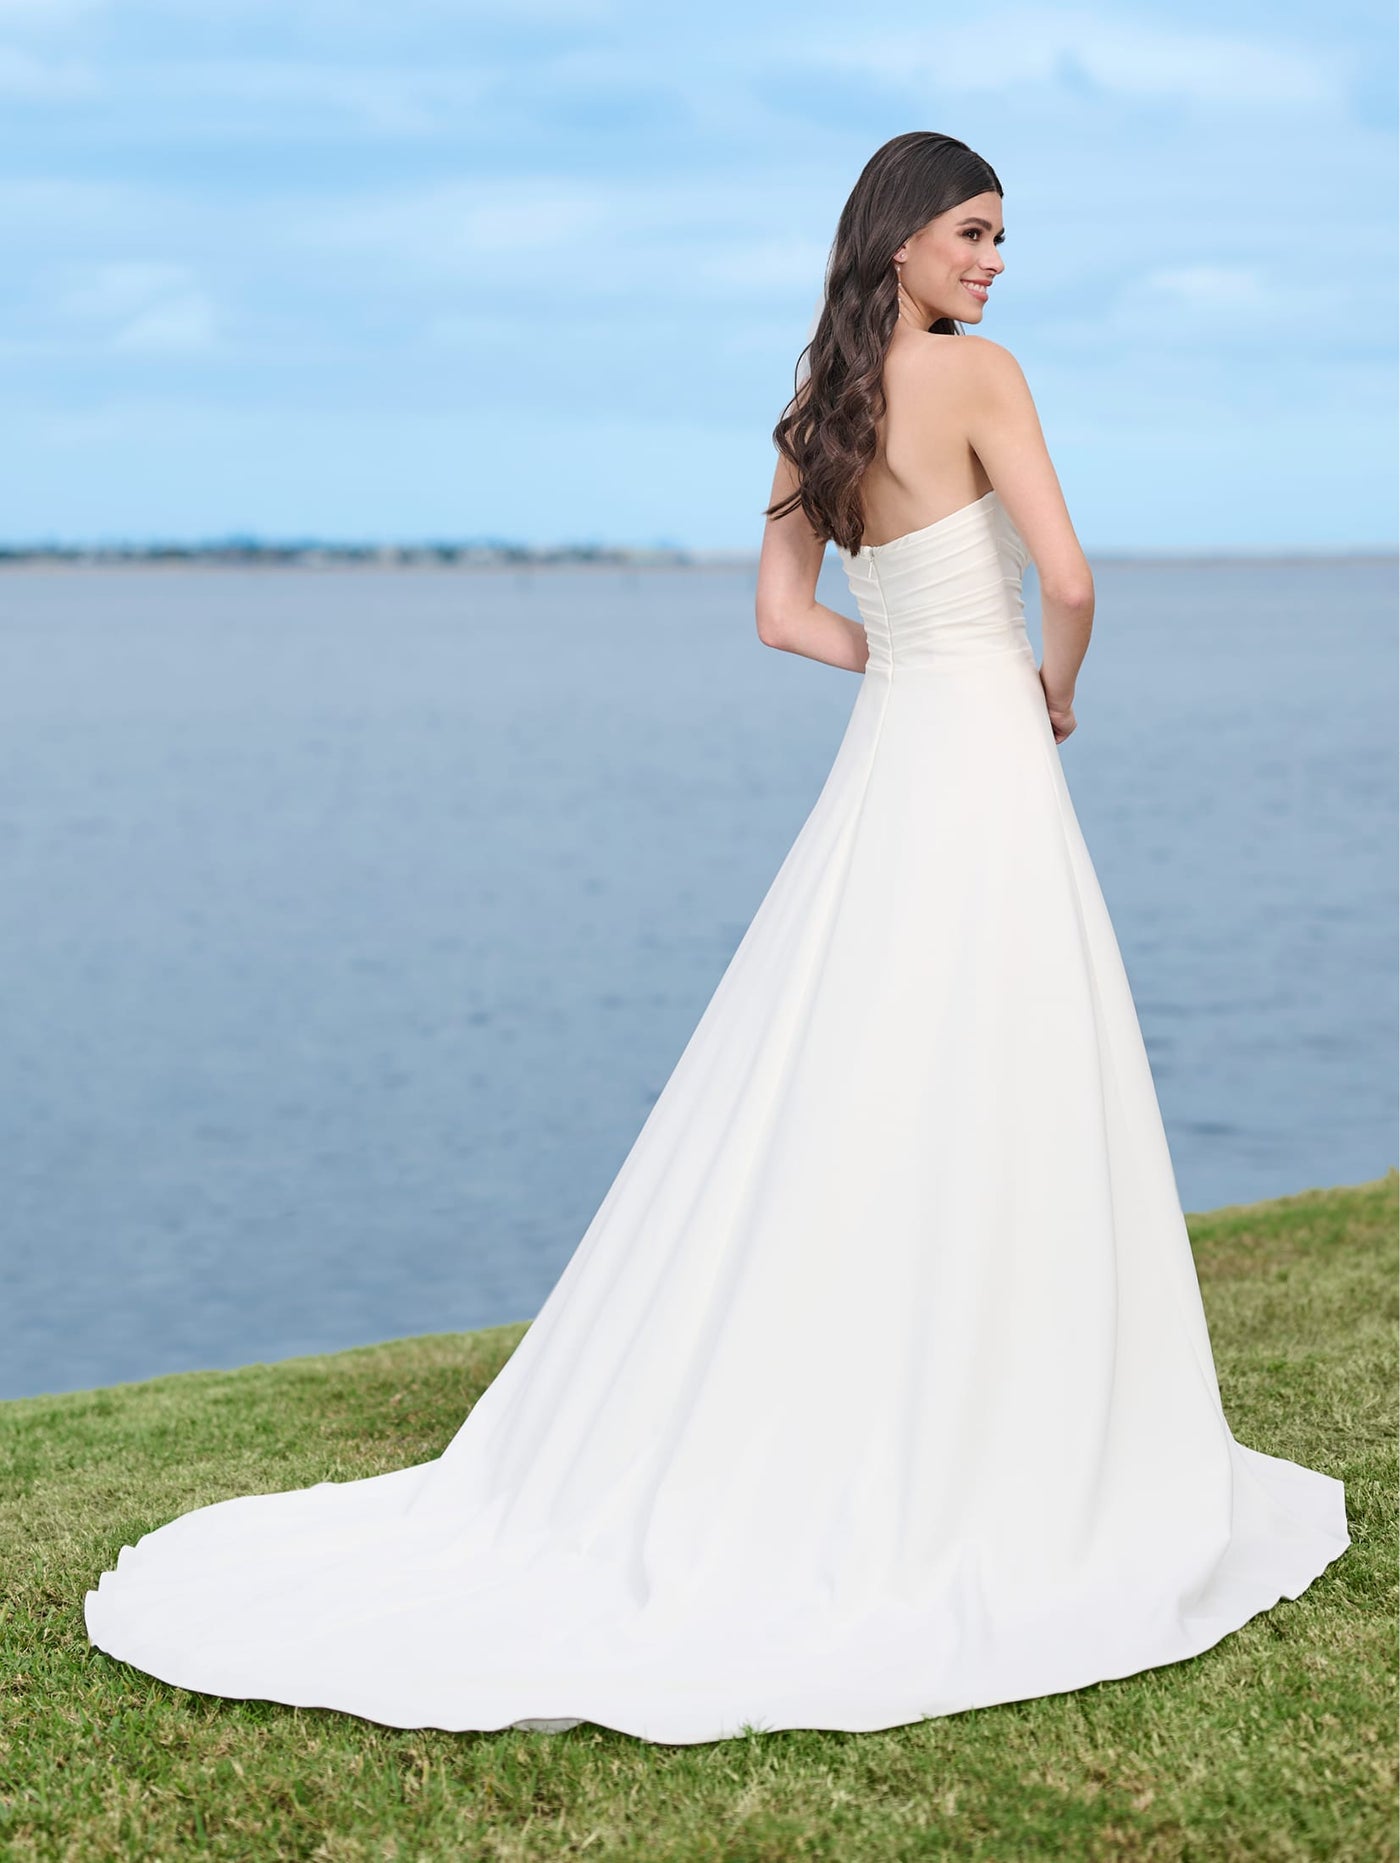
(1277, 1743)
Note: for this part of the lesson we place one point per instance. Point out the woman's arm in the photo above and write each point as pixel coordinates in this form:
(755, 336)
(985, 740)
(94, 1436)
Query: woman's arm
(1004, 431)
(786, 607)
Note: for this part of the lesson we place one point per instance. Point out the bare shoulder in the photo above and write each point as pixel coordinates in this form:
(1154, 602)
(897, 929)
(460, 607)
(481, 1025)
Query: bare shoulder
(976, 364)
(983, 360)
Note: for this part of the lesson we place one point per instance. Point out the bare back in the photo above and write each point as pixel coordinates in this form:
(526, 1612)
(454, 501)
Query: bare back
(925, 467)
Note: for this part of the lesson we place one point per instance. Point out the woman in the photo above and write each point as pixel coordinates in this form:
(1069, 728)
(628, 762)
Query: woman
(879, 1385)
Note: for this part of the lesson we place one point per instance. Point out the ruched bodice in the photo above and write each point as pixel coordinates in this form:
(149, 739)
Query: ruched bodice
(948, 591)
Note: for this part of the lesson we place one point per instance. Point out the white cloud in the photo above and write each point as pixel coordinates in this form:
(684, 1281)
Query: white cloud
(707, 238)
(23, 75)
(184, 324)
(1137, 57)
(757, 264)
(402, 100)
(543, 235)
(46, 13)
(148, 307)
(1210, 287)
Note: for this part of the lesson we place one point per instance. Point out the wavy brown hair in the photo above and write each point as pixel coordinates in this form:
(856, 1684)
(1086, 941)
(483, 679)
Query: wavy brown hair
(828, 429)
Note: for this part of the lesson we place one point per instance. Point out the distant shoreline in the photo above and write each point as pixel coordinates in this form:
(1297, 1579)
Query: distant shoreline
(396, 560)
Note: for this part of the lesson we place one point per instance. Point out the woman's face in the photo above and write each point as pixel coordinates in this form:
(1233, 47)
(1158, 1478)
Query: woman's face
(943, 264)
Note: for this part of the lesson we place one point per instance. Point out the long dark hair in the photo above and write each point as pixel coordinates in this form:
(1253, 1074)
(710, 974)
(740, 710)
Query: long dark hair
(828, 428)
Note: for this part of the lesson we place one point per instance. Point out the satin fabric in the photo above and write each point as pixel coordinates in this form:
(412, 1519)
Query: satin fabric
(879, 1385)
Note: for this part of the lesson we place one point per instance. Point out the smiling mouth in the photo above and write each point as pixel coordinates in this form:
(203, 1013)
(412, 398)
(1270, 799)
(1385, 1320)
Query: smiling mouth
(978, 289)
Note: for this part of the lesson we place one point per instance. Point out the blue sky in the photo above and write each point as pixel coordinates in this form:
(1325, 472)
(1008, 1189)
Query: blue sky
(541, 270)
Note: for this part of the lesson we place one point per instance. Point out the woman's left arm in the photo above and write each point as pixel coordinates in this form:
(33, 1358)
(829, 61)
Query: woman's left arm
(786, 608)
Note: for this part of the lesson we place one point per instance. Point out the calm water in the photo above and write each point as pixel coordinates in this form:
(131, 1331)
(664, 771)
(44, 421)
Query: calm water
(353, 921)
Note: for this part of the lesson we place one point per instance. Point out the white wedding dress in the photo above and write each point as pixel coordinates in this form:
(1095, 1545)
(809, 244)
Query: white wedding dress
(879, 1385)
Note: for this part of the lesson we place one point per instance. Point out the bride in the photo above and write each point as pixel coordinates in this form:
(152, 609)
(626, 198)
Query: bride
(879, 1386)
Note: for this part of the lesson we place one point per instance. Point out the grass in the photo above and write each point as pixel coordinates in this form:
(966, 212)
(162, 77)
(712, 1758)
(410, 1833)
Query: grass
(1278, 1743)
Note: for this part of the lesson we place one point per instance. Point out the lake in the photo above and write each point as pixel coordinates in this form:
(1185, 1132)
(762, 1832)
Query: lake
(353, 919)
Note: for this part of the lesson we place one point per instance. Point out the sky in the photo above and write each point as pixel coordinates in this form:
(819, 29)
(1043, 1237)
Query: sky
(539, 271)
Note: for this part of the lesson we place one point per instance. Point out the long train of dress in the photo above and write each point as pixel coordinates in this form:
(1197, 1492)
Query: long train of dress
(879, 1385)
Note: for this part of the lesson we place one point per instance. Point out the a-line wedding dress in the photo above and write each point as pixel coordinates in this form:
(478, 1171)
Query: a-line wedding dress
(879, 1385)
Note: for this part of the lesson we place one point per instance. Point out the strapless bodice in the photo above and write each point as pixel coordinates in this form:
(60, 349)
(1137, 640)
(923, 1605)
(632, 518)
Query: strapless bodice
(950, 591)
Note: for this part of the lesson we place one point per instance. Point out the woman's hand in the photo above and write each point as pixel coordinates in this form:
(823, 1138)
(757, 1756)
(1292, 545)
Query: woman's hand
(1060, 708)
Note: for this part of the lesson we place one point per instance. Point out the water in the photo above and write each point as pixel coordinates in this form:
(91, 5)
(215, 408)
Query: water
(354, 920)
